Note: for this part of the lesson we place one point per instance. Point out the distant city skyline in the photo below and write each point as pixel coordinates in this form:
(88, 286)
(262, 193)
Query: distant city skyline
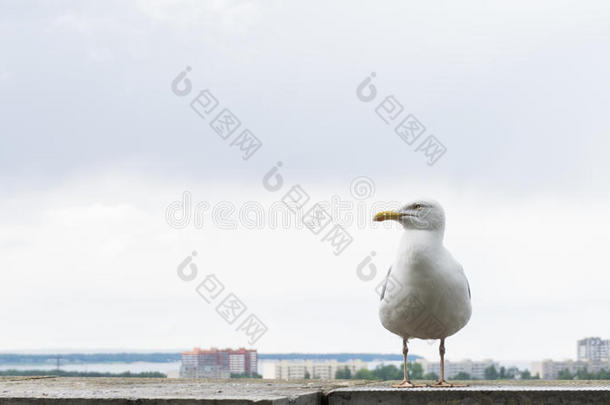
(592, 355)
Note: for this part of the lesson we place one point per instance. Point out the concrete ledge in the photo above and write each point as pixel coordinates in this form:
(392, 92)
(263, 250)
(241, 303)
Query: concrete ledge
(153, 391)
(543, 394)
(88, 391)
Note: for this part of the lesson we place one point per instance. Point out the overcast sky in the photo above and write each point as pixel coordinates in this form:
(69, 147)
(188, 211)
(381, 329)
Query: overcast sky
(95, 145)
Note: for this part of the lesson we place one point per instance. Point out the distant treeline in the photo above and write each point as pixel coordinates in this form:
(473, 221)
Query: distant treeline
(62, 373)
(416, 372)
(77, 358)
(584, 375)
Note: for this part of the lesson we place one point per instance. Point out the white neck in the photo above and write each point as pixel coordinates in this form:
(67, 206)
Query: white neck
(421, 236)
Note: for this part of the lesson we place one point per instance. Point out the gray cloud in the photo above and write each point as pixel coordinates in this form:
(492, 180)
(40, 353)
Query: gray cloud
(518, 99)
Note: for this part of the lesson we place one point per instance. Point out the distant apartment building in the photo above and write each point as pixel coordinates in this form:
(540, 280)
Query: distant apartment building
(550, 369)
(319, 370)
(475, 369)
(592, 354)
(217, 363)
(593, 349)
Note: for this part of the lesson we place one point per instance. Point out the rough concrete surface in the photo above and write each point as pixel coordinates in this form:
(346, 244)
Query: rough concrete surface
(73, 391)
(485, 393)
(149, 391)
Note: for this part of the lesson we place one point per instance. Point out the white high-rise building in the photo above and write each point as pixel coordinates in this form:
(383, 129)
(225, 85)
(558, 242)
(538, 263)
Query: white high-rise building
(237, 363)
(592, 354)
(593, 349)
(475, 369)
(550, 369)
(322, 370)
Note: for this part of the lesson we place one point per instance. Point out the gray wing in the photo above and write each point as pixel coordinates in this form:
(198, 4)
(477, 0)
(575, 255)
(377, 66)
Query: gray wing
(469, 295)
(385, 284)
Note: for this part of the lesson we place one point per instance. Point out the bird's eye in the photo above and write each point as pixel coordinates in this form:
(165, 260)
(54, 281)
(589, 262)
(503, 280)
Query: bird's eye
(417, 206)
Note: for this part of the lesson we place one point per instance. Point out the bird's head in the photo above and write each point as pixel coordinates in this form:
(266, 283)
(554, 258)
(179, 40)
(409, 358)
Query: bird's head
(419, 214)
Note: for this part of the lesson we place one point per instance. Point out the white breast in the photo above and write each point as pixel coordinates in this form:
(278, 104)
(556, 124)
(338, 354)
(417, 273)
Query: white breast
(428, 295)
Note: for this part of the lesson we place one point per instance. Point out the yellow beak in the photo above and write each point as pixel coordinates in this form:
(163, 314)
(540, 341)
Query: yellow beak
(385, 215)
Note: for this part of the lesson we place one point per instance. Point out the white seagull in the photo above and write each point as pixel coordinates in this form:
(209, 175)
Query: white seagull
(426, 294)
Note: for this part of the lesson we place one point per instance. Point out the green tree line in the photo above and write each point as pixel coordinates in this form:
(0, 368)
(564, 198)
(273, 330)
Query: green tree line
(416, 372)
(63, 373)
(584, 375)
(386, 372)
(246, 375)
(11, 358)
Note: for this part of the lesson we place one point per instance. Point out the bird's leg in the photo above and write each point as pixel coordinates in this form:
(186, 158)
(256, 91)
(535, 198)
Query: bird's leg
(441, 381)
(441, 351)
(405, 382)
(405, 351)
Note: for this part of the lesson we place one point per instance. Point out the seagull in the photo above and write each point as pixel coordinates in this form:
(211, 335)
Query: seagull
(426, 294)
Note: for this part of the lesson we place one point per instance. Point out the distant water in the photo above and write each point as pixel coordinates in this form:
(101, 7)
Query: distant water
(136, 367)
